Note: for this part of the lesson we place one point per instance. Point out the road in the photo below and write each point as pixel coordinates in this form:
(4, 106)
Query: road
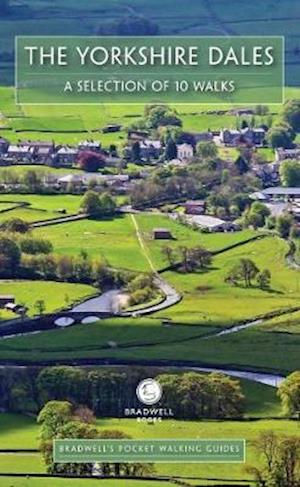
(171, 295)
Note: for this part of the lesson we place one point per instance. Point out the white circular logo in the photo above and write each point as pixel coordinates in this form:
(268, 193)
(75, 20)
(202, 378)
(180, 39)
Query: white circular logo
(149, 391)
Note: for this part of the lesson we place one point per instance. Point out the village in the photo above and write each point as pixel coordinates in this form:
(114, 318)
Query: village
(93, 166)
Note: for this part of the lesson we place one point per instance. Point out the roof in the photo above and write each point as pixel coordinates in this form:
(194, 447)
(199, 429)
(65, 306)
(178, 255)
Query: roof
(85, 177)
(89, 143)
(185, 146)
(280, 190)
(195, 202)
(161, 230)
(67, 150)
(156, 144)
(258, 195)
(206, 221)
(20, 148)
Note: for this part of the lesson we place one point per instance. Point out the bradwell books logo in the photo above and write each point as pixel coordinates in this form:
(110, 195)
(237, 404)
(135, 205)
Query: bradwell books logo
(149, 392)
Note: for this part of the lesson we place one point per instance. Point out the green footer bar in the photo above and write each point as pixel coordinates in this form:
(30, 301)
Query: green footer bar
(148, 451)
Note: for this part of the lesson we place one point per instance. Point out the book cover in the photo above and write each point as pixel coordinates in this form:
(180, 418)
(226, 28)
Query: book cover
(149, 243)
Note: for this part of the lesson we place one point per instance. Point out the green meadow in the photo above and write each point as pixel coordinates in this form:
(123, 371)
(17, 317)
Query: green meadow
(39, 207)
(208, 303)
(72, 124)
(56, 295)
(22, 432)
(116, 239)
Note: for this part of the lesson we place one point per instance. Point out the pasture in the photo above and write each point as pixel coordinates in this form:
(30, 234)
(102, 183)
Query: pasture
(166, 429)
(56, 295)
(39, 207)
(72, 124)
(116, 241)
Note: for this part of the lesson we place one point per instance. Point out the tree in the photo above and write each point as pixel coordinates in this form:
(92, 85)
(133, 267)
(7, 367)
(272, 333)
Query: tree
(281, 136)
(107, 205)
(242, 165)
(264, 279)
(289, 393)
(91, 161)
(169, 254)
(90, 204)
(30, 245)
(194, 258)
(284, 224)
(280, 460)
(244, 270)
(136, 152)
(161, 115)
(15, 225)
(207, 150)
(62, 383)
(70, 429)
(256, 216)
(171, 150)
(291, 113)
(53, 416)
(10, 256)
(290, 173)
(32, 180)
(193, 396)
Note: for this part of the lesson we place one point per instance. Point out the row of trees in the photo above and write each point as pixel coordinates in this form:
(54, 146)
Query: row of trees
(60, 420)
(280, 460)
(108, 392)
(187, 259)
(258, 215)
(98, 206)
(15, 263)
(283, 133)
(245, 271)
(194, 396)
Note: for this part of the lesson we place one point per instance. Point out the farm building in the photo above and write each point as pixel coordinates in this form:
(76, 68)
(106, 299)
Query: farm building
(66, 156)
(161, 234)
(281, 192)
(90, 145)
(194, 207)
(211, 223)
(203, 137)
(5, 299)
(185, 151)
(20, 152)
(150, 149)
(233, 138)
(83, 179)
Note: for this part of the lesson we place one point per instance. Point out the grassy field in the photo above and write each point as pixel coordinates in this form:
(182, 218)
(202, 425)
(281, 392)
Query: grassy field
(208, 299)
(208, 304)
(21, 432)
(40, 207)
(55, 294)
(116, 239)
(61, 122)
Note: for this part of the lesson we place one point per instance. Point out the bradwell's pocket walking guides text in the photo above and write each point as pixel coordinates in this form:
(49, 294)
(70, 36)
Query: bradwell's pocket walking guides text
(149, 243)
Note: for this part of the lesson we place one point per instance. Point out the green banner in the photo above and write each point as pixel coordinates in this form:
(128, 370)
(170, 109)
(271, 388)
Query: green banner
(148, 451)
(138, 70)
